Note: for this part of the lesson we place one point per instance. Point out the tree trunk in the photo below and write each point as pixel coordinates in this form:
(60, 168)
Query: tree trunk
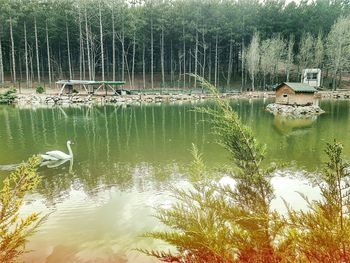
(2, 77)
(123, 50)
(68, 50)
(204, 54)
(133, 60)
(216, 61)
(20, 69)
(189, 67)
(209, 64)
(13, 53)
(81, 50)
(242, 64)
(143, 65)
(184, 56)
(289, 57)
(88, 45)
(218, 71)
(93, 55)
(107, 65)
(113, 46)
(171, 63)
(230, 61)
(26, 55)
(59, 66)
(37, 50)
(48, 54)
(127, 68)
(180, 69)
(31, 67)
(101, 44)
(152, 59)
(162, 57)
(196, 61)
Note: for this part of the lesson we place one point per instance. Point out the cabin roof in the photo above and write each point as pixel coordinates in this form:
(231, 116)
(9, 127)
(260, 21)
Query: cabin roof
(298, 87)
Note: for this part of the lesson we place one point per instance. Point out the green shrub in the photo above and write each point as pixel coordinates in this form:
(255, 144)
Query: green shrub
(40, 90)
(211, 222)
(75, 91)
(14, 229)
(214, 223)
(8, 97)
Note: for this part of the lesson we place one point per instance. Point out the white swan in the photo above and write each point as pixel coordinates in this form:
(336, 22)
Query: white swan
(58, 155)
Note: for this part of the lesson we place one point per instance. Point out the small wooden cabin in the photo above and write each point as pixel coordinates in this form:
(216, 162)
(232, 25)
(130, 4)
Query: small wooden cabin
(294, 93)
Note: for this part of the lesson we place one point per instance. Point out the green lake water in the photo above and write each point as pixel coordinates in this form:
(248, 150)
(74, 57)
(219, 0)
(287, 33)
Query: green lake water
(127, 157)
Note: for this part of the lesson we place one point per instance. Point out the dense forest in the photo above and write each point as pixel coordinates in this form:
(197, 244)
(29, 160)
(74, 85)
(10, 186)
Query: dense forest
(156, 43)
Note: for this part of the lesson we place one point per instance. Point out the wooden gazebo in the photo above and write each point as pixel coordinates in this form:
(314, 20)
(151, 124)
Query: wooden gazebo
(90, 86)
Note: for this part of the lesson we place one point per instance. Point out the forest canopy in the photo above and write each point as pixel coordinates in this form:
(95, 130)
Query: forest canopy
(155, 43)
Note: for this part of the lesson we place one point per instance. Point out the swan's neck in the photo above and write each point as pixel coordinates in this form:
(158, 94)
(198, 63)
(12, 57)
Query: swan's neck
(70, 150)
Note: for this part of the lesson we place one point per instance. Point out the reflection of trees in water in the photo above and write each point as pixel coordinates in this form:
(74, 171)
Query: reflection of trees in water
(139, 177)
(110, 141)
(111, 149)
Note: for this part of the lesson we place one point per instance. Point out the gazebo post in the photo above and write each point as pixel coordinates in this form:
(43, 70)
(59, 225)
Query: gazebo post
(110, 86)
(62, 89)
(87, 91)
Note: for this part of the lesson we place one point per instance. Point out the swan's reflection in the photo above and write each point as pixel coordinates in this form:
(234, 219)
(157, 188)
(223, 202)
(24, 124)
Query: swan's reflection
(57, 163)
(53, 164)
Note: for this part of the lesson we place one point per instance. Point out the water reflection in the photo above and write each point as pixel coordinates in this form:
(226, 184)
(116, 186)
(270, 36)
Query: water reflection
(157, 135)
(290, 125)
(127, 157)
(56, 163)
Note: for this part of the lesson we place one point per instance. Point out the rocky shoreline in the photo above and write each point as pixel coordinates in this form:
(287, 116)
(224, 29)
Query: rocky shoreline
(76, 99)
(66, 100)
(33, 99)
(291, 110)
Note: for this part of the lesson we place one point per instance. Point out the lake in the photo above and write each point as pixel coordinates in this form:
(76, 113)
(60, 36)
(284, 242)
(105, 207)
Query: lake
(127, 157)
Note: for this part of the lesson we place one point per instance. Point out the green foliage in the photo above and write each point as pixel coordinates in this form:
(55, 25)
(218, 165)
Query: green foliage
(197, 169)
(40, 90)
(322, 234)
(8, 97)
(212, 222)
(192, 25)
(216, 223)
(15, 230)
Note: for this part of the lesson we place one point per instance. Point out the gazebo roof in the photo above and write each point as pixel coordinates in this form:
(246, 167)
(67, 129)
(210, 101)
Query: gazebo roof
(89, 82)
